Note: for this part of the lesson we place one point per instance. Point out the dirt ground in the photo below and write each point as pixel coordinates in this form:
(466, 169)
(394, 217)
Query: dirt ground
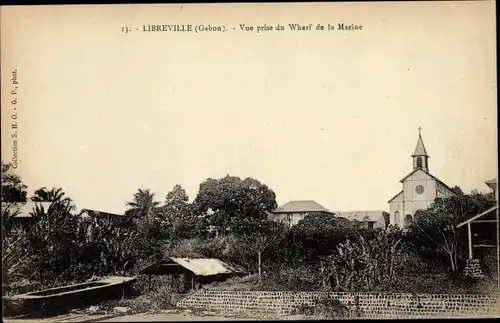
(166, 316)
(170, 317)
(187, 315)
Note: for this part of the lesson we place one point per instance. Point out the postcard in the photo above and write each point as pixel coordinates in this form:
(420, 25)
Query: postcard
(286, 161)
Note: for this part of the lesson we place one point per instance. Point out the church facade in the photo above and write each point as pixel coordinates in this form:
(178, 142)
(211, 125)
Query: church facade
(419, 190)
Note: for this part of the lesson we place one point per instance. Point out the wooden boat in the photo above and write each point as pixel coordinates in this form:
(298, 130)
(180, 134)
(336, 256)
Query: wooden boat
(65, 298)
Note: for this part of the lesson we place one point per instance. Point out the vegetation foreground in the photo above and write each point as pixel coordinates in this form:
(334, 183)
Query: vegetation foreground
(59, 246)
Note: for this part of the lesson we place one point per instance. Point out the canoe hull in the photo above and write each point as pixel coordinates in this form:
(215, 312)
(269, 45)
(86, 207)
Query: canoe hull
(63, 299)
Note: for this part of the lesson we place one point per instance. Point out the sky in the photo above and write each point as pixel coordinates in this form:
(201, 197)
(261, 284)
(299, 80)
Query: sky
(330, 116)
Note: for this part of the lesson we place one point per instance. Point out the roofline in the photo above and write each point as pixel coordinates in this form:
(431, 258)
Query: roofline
(421, 155)
(394, 197)
(440, 181)
(355, 211)
(411, 173)
(279, 212)
(90, 210)
(477, 216)
(434, 177)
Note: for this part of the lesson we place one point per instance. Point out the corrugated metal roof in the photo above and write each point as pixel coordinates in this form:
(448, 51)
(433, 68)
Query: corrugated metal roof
(198, 266)
(204, 266)
(300, 207)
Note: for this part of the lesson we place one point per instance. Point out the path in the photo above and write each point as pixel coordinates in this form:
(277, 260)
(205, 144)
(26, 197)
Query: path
(170, 317)
(174, 316)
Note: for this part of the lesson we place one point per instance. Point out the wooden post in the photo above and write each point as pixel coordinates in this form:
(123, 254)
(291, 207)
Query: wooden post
(469, 234)
(192, 283)
(149, 282)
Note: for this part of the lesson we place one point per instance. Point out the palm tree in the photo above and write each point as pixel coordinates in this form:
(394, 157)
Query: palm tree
(142, 205)
(45, 195)
(60, 202)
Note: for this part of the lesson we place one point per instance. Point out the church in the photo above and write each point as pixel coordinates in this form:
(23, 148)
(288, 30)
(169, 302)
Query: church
(420, 189)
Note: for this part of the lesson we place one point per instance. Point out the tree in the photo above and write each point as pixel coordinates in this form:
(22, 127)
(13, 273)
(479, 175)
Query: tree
(457, 190)
(436, 227)
(360, 262)
(13, 190)
(142, 207)
(57, 196)
(387, 219)
(317, 235)
(178, 217)
(45, 195)
(260, 236)
(231, 199)
(178, 193)
(13, 193)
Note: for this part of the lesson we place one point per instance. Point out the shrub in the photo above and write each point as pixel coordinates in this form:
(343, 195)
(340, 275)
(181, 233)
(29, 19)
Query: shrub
(325, 308)
(331, 308)
(490, 264)
(361, 264)
(154, 301)
(151, 302)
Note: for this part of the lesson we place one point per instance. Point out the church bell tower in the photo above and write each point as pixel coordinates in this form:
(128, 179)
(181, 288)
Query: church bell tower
(420, 157)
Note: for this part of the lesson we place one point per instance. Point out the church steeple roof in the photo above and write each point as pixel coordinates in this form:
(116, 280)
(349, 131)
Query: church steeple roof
(420, 149)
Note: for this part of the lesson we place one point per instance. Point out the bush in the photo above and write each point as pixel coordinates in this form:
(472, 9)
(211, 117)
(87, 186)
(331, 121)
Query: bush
(437, 283)
(62, 248)
(301, 277)
(155, 301)
(325, 308)
(331, 308)
(490, 264)
(150, 302)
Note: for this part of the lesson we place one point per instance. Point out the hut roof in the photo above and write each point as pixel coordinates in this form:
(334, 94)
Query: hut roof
(198, 266)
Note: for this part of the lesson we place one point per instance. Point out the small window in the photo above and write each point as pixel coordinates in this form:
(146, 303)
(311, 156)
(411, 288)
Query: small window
(419, 162)
(396, 217)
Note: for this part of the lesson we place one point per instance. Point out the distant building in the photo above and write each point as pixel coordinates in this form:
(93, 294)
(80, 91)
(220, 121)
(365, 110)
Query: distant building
(117, 219)
(492, 183)
(22, 212)
(365, 219)
(420, 189)
(294, 211)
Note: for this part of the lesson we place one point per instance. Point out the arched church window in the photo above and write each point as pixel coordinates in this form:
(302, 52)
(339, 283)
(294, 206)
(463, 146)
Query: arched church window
(419, 162)
(408, 220)
(396, 217)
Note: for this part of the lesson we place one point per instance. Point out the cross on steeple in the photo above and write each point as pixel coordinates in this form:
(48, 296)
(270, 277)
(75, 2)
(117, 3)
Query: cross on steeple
(419, 131)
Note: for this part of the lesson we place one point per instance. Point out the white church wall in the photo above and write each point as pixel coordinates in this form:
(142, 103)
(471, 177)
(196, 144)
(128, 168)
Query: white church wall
(424, 180)
(412, 207)
(396, 205)
(393, 208)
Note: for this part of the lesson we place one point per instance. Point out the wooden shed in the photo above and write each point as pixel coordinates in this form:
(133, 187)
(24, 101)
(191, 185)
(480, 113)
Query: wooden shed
(195, 271)
(482, 230)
